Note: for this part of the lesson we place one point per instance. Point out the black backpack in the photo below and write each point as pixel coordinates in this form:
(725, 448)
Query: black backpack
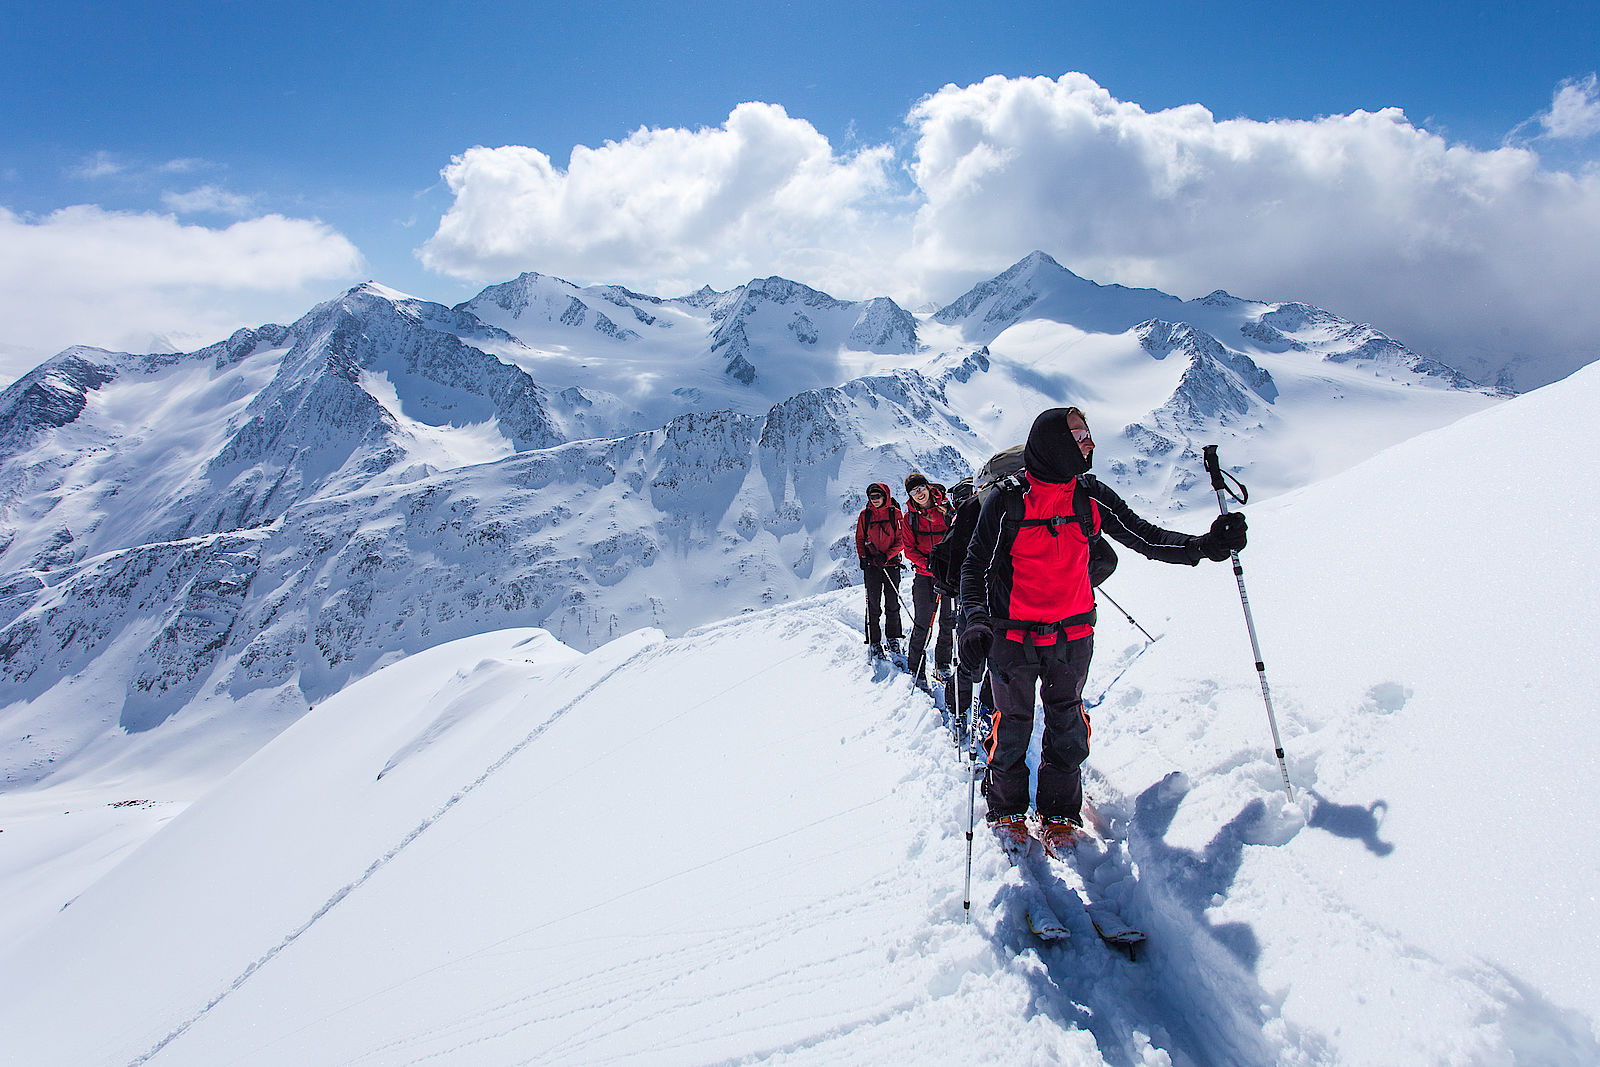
(1003, 472)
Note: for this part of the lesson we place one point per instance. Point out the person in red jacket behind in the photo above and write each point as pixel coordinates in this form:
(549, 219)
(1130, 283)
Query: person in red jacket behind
(1028, 611)
(878, 547)
(927, 519)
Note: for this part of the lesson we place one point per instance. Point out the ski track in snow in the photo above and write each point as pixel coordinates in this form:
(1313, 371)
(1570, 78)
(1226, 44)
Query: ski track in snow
(384, 860)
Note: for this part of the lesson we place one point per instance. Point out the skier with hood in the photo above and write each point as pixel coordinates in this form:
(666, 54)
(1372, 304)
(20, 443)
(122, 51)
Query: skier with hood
(927, 519)
(1027, 609)
(878, 548)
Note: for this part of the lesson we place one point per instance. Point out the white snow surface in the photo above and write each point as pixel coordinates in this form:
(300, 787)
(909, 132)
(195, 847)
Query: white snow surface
(743, 844)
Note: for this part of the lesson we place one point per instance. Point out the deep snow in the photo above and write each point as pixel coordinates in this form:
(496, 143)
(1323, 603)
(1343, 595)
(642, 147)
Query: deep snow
(743, 844)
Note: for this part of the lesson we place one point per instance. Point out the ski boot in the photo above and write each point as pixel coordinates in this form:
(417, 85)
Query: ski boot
(1060, 836)
(1012, 832)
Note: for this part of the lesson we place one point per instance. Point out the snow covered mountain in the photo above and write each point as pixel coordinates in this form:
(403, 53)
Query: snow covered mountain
(740, 844)
(230, 536)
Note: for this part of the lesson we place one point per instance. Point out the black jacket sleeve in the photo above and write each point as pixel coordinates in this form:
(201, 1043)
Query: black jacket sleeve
(980, 552)
(1118, 521)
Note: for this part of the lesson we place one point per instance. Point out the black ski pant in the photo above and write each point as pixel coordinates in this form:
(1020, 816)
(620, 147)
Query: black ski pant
(1057, 673)
(883, 594)
(924, 602)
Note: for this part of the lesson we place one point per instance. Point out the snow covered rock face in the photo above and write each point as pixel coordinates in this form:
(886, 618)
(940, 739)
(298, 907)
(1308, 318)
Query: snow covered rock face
(52, 395)
(1039, 287)
(1303, 328)
(301, 545)
(774, 315)
(286, 510)
(1218, 384)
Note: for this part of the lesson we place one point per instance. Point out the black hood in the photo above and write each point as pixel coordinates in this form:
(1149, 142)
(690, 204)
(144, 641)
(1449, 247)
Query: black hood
(1051, 454)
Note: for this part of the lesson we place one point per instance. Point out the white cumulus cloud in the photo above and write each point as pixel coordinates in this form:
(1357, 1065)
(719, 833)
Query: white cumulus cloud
(84, 275)
(1484, 257)
(762, 192)
(1481, 256)
(1575, 110)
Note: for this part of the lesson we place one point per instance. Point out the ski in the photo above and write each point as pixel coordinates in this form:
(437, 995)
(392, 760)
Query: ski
(1042, 919)
(1113, 929)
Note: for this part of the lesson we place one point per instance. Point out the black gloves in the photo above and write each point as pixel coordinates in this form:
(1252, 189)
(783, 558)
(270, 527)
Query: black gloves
(1227, 534)
(976, 639)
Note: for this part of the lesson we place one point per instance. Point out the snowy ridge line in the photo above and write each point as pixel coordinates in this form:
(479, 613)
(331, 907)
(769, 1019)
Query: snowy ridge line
(661, 648)
(383, 861)
(83, 566)
(816, 600)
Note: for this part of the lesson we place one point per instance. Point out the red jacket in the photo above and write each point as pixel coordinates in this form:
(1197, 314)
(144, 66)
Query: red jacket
(922, 528)
(878, 530)
(1050, 570)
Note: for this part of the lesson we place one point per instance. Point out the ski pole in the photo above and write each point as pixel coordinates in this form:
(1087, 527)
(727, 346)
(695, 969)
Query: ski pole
(894, 583)
(1219, 483)
(1102, 592)
(972, 785)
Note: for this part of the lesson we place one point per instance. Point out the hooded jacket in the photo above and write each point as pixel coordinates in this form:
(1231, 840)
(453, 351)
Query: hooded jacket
(1038, 573)
(878, 530)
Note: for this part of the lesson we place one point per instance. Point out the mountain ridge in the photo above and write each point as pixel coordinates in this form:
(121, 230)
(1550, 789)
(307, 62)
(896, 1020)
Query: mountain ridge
(283, 511)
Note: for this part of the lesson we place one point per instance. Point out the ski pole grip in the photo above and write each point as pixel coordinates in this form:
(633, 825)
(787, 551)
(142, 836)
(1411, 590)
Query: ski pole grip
(1219, 480)
(1213, 467)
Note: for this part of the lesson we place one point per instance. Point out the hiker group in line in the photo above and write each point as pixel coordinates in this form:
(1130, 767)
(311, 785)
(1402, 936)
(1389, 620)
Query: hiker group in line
(1009, 560)
(884, 534)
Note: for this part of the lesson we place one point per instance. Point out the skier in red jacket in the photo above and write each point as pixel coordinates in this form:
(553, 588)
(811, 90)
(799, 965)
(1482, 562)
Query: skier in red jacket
(878, 548)
(926, 520)
(1028, 611)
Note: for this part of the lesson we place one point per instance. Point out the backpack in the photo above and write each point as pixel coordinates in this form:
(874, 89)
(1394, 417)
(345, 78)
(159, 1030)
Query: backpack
(1004, 472)
(944, 562)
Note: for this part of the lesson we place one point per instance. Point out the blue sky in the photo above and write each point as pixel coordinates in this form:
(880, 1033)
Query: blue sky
(340, 117)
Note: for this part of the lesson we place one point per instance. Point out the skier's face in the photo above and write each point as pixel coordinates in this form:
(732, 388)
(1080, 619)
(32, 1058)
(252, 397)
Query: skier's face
(1080, 434)
(921, 494)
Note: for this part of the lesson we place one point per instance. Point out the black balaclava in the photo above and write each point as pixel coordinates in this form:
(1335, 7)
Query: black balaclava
(1051, 454)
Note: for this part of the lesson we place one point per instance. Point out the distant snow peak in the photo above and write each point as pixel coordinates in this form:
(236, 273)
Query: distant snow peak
(1036, 286)
(1302, 327)
(771, 314)
(52, 395)
(537, 298)
(1218, 380)
(1221, 298)
(383, 292)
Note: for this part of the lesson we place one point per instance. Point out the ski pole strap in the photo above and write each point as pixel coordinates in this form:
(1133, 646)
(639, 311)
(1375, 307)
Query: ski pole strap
(1220, 478)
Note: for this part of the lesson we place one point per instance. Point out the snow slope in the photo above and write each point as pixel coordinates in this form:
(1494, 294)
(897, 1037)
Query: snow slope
(743, 845)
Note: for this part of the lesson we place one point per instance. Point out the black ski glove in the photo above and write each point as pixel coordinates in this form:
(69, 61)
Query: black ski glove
(977, 637)
(1227, 534)
(863, 560)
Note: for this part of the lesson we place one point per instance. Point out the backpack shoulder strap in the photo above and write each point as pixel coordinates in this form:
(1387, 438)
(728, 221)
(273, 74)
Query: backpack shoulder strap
(1013, 499)
(1083, 508)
